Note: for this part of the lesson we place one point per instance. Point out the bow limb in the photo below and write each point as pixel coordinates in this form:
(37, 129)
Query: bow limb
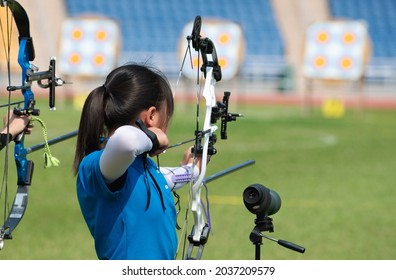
(196, 207)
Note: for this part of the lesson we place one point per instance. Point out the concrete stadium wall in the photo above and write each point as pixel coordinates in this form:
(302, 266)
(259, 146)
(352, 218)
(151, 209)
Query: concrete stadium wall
(46, 17)
(293, 17)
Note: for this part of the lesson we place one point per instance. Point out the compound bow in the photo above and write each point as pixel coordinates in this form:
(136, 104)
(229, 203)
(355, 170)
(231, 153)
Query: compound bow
(205, 138)
(30, 74)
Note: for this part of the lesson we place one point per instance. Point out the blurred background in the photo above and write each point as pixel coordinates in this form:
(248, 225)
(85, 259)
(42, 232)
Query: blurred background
(264, 46)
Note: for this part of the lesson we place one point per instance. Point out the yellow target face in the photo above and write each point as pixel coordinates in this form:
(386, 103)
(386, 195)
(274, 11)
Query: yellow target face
(348, 38)
(75, 58)
(196, 62)
(223, 62)
(101, 35)
(224, 38)
(320, 62)
(322, 37)
(77, 34)
(99, 59)
(346, 62)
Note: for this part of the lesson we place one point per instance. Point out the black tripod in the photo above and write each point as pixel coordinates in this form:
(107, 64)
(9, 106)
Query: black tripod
(264, 223)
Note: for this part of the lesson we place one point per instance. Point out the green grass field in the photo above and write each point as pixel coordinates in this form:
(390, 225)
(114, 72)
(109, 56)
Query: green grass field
(336, 178)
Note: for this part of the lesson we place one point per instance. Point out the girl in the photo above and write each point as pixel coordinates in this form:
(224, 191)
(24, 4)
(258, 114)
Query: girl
(125, 199)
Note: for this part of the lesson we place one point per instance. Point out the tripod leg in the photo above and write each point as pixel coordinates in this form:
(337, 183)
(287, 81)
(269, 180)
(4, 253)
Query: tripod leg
(257, 240)
(257, 251)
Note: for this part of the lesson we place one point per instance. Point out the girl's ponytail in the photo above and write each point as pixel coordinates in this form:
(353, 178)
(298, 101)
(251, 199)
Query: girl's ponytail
(92, 127)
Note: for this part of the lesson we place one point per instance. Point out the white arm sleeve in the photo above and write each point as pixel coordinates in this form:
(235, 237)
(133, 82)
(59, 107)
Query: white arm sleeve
(121, 149)
(177, 177)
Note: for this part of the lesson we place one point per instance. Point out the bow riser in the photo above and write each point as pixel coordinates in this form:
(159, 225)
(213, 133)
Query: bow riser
(210, 98)
(23, 58)
(24, 166)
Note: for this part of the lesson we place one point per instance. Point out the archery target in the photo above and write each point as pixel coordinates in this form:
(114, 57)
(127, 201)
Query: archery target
(89, 46)
(336, 50)
(228, 39)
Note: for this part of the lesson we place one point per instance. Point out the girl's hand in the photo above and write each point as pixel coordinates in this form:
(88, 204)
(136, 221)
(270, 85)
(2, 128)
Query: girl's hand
(17, 125)
(188, 157)
(162, 140)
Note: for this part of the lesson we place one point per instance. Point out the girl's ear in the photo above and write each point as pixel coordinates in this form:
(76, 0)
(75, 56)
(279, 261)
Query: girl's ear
(151, 116)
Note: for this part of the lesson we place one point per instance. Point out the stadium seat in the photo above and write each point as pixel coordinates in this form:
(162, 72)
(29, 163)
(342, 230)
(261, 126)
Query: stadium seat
(151, 28)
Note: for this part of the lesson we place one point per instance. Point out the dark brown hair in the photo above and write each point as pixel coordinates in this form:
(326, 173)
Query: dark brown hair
(128, 90)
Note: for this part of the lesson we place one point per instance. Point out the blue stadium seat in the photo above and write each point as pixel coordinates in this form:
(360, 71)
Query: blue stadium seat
(380, 16)
(152, 26)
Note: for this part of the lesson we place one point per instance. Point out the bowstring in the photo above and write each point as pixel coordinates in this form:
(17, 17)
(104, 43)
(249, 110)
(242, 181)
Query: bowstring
(7, 53)
(183, 232)
(198, 87)
(181, 68)
(185, 222)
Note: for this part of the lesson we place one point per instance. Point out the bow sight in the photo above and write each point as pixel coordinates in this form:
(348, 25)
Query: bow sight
(220, 111)
(45, 79)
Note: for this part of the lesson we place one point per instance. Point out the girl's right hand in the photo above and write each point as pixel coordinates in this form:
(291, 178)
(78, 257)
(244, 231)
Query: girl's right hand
(162, 140)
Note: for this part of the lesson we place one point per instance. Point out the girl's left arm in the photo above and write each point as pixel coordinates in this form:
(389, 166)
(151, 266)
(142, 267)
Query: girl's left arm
(177, 177)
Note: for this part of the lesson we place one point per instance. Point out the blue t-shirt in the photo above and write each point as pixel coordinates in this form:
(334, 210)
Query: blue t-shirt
(119, 222)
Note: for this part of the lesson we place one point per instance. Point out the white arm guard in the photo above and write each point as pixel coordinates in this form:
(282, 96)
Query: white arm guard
(177, 177)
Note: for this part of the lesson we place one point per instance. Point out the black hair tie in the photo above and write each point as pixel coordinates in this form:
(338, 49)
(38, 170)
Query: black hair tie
(105, 91)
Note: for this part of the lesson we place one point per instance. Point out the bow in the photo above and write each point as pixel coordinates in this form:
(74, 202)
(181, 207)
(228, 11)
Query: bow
(205, 138)
(45, 79)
